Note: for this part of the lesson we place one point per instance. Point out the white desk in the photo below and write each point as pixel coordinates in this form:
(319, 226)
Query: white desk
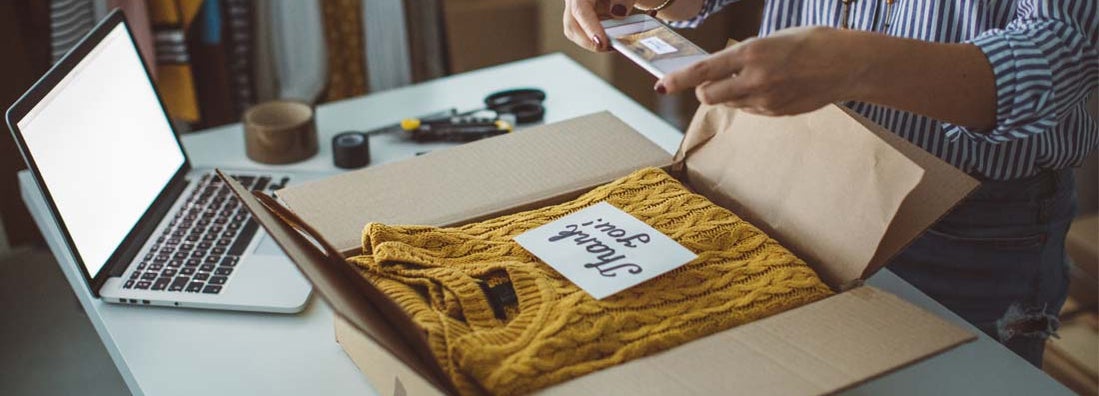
(164, 351)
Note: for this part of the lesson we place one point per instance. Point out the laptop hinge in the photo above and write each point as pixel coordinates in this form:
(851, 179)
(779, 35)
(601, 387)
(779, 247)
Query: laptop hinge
(144, 229)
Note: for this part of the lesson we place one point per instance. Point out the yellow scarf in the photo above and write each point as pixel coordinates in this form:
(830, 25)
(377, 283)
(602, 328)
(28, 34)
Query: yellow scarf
(502, 322)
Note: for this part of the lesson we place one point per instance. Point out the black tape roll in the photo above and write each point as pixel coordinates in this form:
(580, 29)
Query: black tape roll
(351, 150)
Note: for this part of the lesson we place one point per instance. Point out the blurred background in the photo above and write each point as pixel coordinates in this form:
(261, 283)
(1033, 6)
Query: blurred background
(214, 58)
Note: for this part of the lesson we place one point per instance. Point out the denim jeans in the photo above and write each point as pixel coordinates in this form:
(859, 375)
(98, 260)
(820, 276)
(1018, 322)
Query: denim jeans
(998, 259)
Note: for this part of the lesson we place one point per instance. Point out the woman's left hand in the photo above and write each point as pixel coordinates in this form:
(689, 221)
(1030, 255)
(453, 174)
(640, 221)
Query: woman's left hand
(790, 72)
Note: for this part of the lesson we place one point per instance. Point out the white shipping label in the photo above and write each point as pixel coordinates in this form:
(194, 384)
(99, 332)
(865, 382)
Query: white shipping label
(657, 45)
(604, 250)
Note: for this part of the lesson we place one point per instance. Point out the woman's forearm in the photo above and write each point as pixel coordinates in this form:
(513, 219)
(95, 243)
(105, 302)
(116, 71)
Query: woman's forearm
(951, 82)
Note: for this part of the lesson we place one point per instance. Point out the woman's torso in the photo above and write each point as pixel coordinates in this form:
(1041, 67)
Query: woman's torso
(948, 21)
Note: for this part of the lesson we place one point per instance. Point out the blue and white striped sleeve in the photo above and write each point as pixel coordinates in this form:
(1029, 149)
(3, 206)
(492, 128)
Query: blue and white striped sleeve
(709, 7)
(1044, 62)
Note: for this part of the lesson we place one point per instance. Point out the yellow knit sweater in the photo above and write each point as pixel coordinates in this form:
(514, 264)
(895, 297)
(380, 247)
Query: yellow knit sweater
(450, 281)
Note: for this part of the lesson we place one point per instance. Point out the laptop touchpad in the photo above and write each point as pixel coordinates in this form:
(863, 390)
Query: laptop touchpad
(268, 247)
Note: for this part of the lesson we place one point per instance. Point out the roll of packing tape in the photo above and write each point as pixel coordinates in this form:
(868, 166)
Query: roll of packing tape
(351, 150)
(280, 132)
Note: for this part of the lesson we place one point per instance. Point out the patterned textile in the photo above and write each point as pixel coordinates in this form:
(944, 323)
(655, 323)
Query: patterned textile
(175, 79)
(70, 20)
(343, 35)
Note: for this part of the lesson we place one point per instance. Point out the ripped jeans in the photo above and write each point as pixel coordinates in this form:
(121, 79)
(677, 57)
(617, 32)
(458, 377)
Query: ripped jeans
(998, 259)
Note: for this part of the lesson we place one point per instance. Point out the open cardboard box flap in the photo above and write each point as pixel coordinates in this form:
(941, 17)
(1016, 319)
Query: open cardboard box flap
(843, 193)
(818, 348)
(353, 299)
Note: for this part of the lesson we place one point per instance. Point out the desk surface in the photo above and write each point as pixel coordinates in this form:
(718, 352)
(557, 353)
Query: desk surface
(165, 351)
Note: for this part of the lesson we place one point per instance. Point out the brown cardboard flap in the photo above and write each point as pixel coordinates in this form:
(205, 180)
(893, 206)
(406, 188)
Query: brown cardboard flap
(941, 188)
(349, 295)
(820, 348)
(820, 182)
(388, 374)
(509, 170)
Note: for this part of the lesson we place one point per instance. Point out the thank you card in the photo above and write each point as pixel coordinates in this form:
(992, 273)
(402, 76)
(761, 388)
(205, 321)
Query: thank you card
(604, 250)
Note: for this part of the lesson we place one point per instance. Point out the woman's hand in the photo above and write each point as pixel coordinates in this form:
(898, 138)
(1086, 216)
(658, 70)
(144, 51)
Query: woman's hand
(790, 72)
(581, 21)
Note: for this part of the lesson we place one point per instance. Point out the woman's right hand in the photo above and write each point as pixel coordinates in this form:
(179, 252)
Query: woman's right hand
(581, 21)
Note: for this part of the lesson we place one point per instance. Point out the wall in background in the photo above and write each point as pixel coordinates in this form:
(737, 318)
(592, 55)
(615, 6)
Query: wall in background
(25, 43)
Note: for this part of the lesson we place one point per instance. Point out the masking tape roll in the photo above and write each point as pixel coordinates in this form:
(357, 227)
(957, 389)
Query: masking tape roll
(280, 132)
(351, 150)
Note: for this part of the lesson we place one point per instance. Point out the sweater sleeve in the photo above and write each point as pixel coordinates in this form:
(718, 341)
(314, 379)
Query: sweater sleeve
(1045, 62)
(709, 7)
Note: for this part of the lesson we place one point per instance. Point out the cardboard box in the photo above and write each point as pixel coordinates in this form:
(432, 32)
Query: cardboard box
(483, 33)
(841, 192)
(1082, 245)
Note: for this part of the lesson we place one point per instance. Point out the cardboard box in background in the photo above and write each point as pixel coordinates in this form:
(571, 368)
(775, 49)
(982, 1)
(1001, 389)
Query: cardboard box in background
(484, 33)
(1073, 357)
(844, 200)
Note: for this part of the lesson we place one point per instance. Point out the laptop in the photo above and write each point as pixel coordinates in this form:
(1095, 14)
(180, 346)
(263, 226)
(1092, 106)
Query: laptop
(143, 225)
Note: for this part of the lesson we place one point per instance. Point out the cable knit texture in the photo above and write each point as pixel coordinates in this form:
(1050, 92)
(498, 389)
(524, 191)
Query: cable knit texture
(552, 330)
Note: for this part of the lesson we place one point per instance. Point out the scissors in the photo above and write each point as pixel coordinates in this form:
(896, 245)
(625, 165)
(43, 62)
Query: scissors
(523, 103)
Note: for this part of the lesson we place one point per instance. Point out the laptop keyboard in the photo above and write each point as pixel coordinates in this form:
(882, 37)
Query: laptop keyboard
(201, 247)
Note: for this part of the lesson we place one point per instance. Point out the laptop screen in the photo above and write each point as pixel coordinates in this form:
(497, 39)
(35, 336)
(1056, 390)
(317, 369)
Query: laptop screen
(103, 147)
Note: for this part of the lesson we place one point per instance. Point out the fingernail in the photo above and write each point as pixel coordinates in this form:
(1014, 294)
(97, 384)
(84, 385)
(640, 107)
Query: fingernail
(597, 41)
(659, 88)
(618, 10)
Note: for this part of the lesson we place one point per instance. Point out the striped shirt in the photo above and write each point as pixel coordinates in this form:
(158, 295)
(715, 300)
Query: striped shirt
(1044, 56)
